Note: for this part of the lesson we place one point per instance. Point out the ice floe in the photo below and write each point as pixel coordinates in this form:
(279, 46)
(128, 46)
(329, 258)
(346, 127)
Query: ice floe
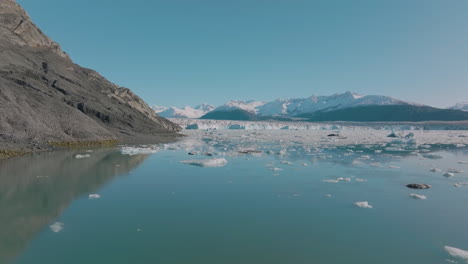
(457, 253)
(418, 196)
(82, 156)
(215, 162)
(94, 196)
(460, 184)
(139, 150)
(56, 227)
(449, 174)
(363, 204)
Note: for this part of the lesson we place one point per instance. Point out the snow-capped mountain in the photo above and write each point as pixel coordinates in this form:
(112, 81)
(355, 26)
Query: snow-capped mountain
(460, 106)
(294, 107)
(185, 112)
(249, 106)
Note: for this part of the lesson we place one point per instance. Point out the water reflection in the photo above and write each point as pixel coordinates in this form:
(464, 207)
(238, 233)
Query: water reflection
(36, 189)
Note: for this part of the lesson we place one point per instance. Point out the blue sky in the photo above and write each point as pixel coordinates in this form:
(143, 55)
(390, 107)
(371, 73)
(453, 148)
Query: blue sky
(184, 52)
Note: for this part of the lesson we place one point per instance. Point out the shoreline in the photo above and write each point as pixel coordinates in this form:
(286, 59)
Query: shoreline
(9, 150)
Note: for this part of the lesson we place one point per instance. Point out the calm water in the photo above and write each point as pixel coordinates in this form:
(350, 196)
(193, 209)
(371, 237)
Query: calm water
(154, 209)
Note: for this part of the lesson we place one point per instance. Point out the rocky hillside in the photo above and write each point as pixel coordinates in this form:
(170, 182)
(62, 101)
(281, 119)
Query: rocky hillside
(45, 97)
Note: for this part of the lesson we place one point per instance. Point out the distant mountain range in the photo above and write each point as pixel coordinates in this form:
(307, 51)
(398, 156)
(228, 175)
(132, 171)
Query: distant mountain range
(346, 106)
(185, 112)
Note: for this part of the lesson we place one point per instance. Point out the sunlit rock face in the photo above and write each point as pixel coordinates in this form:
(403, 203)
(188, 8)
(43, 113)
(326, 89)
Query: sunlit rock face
(45, 97)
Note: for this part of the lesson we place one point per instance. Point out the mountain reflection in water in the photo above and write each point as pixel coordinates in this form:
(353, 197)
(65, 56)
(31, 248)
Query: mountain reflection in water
(36, 189)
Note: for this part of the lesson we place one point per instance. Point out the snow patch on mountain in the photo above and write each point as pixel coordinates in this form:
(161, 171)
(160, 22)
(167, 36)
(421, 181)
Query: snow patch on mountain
(249, 106)
(185, 112)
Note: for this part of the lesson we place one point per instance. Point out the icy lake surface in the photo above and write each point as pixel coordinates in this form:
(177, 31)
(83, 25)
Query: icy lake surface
(243, 196)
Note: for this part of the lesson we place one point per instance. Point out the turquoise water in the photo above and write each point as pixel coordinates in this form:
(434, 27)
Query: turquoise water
(154, 209)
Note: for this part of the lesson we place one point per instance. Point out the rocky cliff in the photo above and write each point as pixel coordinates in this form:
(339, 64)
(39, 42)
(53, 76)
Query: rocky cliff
(45, 97)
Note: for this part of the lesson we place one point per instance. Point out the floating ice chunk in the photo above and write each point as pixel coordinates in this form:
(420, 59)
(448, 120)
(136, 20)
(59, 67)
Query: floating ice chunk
(418, 196)
(363, 204)
(376, 165)
(455, 170)
(56, 227)
(393, 167)
(361, 180)
(89, 151)
(138, 150)
(460, 145)
(432, 156)
(457, 253)
(276, 169)
(460, 184)
(328, 195)
(305, 164)
(418, 186)
(449, 174)
(79, 156)
(331, 181)
(462, 162)
(94, 196)
(435, 170)
(286, 162)
(216, 162)
(344, 179)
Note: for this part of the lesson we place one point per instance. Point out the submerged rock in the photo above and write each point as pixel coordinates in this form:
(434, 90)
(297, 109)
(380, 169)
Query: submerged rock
(418, 186)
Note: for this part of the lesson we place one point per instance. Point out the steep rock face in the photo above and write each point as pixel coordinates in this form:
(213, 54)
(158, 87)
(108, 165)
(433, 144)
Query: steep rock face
(45, 97)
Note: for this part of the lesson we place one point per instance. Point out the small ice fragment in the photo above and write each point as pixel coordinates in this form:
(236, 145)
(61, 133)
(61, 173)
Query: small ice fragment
(432, 156)
(56, 227)
(216, 162)
(460, 184)
(276, 169)
(363, 204)
(435, 170)
(94, 196)
(304, 164)
(455, 170)
(462, 162)
(418, 196)
(418, 186)
(79, 156)
(376, 165)
(328, 195)
(460, 145)
(361, 180)
(449, 174)
(343, 179)
(331, 181)
(286, 162)
(393, 167)
(89, 151)
(457, 253)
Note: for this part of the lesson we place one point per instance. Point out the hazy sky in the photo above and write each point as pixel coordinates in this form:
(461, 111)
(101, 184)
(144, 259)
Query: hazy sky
(178, 52)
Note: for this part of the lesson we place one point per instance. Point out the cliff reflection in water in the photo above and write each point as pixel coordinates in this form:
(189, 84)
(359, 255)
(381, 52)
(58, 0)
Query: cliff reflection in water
(36, 189)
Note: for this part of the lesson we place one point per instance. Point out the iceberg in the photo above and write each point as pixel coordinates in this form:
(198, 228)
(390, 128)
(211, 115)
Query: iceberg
(79, 156)
(457, 253)
(94, 196)
(418, 196)
(363, 204)
(56, 227)
(216, 162)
